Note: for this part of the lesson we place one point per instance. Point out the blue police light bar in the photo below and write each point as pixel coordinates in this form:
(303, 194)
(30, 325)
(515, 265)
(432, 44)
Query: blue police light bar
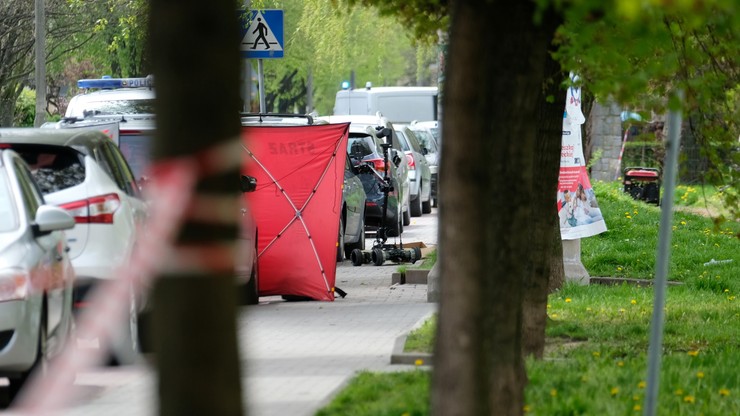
(110, 83)
(345, 85)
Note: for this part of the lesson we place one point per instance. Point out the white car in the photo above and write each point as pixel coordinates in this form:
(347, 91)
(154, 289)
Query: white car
(82, 171)
(420, 174)
(36, 276)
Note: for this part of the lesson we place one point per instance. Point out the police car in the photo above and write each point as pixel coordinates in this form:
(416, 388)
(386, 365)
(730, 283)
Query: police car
(113, 96)
(126, 101)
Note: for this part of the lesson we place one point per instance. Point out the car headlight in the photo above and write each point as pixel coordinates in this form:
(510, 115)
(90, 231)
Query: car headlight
(14, 284)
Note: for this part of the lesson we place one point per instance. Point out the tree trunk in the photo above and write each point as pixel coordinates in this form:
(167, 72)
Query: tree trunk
(195, 54)
(491, 102)
(544, 212)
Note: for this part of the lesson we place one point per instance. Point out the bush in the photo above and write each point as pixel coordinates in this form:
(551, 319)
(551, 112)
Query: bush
(25, 108)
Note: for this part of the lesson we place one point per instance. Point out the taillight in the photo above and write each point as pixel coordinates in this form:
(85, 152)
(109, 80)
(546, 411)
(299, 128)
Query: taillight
(410, 159)
(378, 164)
(98, 209)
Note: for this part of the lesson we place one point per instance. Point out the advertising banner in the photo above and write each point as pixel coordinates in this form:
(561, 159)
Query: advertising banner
(579, 212)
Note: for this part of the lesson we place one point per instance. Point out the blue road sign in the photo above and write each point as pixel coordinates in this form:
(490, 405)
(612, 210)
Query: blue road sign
(263, 37)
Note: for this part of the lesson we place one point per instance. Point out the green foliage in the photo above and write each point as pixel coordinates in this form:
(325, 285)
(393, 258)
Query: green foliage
(629, 247)
(330, 40)
(426, 17)
(596, 358)
(640, 53)
(25, 108)
(422, 338)
(385, 394)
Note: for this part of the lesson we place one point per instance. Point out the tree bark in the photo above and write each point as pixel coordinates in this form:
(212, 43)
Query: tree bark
(491, 101)
(544, 211)
(195, 54)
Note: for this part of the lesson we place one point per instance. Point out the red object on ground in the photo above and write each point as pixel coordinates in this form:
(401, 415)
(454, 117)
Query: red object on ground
(642, 173)
(300, 172)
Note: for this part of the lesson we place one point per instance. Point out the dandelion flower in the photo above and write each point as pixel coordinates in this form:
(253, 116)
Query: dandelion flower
(554, 316)
(693, 353)
(634, 302)
(526, 408)
(724, 392)
(700, 374)
(614, 391)
(727, 290)
(637, 408)
(689, 399)
(567, 300)
(641, 385)
(553, 392)
(621, 310)
(419, 362)
(629, 217)
(620, 363)
(548, 306)
(683, 222)
(596, 354)
(588, 309)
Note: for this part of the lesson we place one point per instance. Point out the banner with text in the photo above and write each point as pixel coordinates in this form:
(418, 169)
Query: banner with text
(578, 209)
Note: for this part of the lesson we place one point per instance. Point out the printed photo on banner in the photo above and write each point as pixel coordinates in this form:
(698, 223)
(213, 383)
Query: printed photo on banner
(578, 210)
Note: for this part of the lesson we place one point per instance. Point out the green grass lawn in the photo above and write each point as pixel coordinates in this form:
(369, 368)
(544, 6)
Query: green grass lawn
(596, 357)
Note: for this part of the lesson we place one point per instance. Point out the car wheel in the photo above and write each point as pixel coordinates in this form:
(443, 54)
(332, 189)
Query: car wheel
(359, 245)
(426, 206)
(126, 343)
(415, 207)
(406, 218)
(252, 294)
(340, 242)
(40, 365)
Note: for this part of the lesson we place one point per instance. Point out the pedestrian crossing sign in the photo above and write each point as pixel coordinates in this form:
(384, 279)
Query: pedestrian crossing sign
(262, 34)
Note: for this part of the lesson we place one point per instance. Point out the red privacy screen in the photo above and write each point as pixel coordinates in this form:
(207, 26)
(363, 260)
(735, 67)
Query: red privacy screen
(297, 204)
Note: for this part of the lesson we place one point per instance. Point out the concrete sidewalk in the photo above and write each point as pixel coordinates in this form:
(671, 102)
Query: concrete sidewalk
(296, 355)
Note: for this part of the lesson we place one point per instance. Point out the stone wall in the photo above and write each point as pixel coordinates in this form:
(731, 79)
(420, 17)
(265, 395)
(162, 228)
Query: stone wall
(605, 128)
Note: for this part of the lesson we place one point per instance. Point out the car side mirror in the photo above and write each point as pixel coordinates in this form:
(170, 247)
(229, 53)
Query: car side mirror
(247, 183)
(50, 218)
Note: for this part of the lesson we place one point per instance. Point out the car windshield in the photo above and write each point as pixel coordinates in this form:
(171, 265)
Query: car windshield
(360, 146)
(8, 212)
(54, 167)
(427, 140)
(403, 141)
(96, 108)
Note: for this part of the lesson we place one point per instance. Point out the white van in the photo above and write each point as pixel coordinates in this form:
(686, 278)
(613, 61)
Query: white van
(397, 104)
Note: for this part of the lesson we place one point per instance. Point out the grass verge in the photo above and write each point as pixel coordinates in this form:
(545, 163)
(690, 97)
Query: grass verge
(598, 335)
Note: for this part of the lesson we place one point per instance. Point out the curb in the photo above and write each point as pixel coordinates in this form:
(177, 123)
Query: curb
(398, 356)
(408, 358)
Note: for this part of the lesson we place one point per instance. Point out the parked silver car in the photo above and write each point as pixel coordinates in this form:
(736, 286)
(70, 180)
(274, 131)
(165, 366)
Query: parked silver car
(420, 175)
(428, 140)
(36, 276)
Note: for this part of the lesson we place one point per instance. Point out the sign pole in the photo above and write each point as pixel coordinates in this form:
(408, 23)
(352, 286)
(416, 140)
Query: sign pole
(261, 80)
(663, 260)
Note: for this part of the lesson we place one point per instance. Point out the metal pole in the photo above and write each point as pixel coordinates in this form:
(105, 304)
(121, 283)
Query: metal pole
(40, 73)
(664, 254)
(261, 77)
